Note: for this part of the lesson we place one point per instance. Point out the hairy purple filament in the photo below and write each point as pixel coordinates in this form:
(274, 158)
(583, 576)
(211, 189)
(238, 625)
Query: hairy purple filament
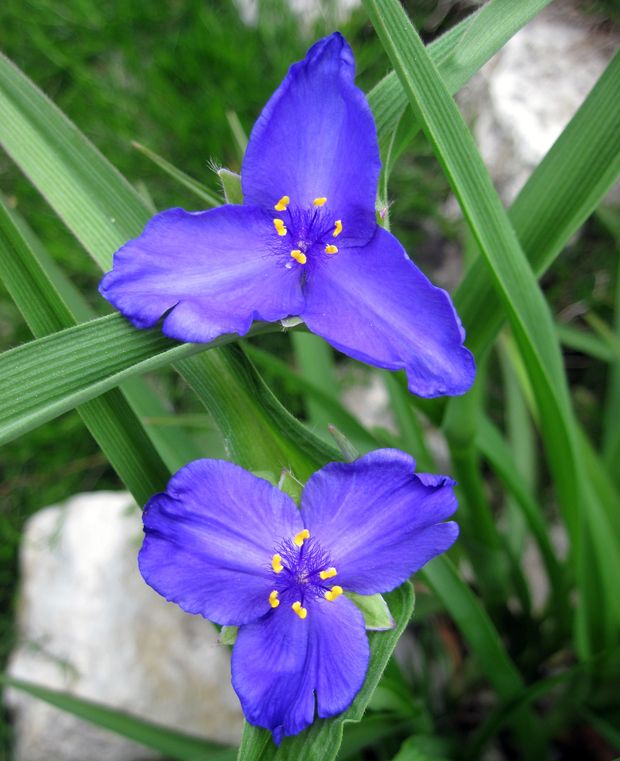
(300, 577)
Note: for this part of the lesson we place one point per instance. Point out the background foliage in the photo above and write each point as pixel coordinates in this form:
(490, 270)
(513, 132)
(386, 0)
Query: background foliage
(535, 447)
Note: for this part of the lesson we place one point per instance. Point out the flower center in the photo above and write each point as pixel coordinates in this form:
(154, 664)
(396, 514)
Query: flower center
(301, 570)
(309, 231)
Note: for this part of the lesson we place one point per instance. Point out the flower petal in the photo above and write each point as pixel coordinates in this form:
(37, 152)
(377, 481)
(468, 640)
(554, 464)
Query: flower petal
(214, 272)
(210, 537)
(316, 138)
(280, 662)
(379, 521)
(375, 305)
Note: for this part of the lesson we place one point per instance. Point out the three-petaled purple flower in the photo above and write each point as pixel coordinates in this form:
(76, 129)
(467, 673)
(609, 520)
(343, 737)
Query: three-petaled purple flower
(230, 546)
(304, 243)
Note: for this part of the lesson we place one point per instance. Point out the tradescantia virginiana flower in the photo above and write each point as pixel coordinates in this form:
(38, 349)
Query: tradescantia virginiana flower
(228, 545)
(304, 243)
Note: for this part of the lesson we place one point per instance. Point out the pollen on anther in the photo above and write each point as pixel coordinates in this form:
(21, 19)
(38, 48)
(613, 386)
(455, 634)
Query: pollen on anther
(331, 249)
(333, 593)
(337, 228)
(328, 573)
(300, 538)
(301, 611)
(282, 203)
(280, 227)
(299, 256)
(273, 599)
(276, 563)
(319, 201)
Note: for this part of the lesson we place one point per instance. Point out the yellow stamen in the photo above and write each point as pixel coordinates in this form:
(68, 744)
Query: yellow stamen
(301, 612)
(337, 228)
(273, 599)
(280, 226)
(331, 249)
(333, 593)
(276, 563)
(299, 256)
(319, 201)
(300, 538)
(282, 203)
(328, 573)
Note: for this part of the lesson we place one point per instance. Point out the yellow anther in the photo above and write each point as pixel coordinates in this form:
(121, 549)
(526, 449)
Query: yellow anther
(276, 563)
(333, 593)
(282, 203)
(273, 599)
(280, 226)
(331, 249)
(299, 256)
(328, 573)
(300, 538)
(337, 228)
(301, 612)
(319, 201)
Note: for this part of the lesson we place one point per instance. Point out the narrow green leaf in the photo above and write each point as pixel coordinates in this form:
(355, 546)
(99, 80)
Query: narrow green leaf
(512, 277)
(103, 211)
(458, 54)
(333, 411)
(560, 195)
(166, 741)
(487, 647)
(315, 360)
(323, 738)
(49, 376)
(197, 188)
(110, 418)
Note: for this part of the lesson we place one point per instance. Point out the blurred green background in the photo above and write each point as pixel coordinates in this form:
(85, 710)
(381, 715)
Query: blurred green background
(174, 75)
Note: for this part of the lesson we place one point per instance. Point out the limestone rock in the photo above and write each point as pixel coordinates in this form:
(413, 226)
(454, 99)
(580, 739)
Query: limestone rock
(88, 624)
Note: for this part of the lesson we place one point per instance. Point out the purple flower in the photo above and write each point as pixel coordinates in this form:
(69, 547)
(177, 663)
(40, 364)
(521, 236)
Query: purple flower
(305, 243)
(230, 546)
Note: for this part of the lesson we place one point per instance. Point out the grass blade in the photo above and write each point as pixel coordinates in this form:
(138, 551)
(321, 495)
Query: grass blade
(166, 741)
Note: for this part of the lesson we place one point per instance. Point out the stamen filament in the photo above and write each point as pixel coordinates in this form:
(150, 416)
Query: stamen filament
(337, 228)
(333, 593)
(282, 203)
(301, 612)
(328, 573)
(280, 227)
(276, 563)
(300, 538)
(273, 599)
(299, 256)
(331, 249)
(319, 201)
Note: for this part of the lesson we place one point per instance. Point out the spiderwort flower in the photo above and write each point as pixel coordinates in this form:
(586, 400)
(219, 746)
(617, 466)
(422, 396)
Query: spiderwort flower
(304, 243)
(230, 546)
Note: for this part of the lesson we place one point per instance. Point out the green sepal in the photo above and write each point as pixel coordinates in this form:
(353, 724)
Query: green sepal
(228, 635)
(231, 185)
(374, 608)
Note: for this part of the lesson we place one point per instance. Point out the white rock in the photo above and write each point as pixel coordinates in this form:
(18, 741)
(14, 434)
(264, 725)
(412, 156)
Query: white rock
(525, 96)
(335, 11)
(89, 624)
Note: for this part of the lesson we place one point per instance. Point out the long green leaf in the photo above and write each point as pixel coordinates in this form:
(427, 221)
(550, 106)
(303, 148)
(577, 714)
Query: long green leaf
(458, 55)
(49, 302)
(44, 378)
(513, 279)
(103, 211)
(322, 740)
(169, 742)
(562, 192)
